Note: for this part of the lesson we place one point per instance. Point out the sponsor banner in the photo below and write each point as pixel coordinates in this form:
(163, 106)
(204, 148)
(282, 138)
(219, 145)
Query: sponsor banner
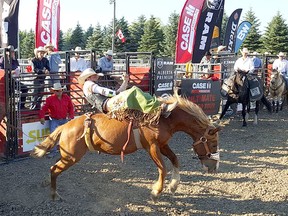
(187, 26)
(242, 32)
(47, 23)
(206, 24)
(215, 42)
(231, 30)
(164, 76)
(33, 134)
(227, 65)
(205, 93)
(9, 10)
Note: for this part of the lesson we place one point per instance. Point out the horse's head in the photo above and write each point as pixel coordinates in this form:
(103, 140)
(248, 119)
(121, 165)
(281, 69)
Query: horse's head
(276, 76)
(240, 77)
(207, 149)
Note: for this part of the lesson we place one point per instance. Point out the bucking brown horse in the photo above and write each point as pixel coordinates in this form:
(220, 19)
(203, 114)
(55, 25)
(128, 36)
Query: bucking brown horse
(108, 135)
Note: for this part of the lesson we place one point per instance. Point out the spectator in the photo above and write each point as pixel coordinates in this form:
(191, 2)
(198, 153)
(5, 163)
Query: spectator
(54, 63)
(205, 65)
(257, 63)
(41, 68)
(281, 64)
(106, 62)
(77, 63)
(60, 108)
(15, 71)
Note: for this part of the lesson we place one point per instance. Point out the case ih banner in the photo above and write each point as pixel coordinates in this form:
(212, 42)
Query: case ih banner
(47, 23)
(205, 93)
(205, 28)
(187, 30)
(231, 30)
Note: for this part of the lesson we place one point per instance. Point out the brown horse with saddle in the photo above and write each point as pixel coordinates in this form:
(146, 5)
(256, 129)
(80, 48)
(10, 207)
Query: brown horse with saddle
(111, 136)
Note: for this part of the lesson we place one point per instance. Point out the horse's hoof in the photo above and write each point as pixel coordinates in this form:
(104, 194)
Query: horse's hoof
(155, 196)
(173, 189)
(56, 197)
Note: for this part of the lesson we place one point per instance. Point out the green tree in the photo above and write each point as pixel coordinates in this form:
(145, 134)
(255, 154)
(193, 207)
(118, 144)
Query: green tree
(77, 37)
(67, 40)
(223, 27)
(27, 44)
(95, 41)
(170, 35)
(275, 38)
(61, 41)
(119, 46)
(87, 34)
(151, 41)
(252, 41)
(136, 30)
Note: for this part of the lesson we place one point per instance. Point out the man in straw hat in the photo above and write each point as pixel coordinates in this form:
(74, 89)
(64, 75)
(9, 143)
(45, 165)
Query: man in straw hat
(106, 62)
(60, 108)
(103, 98)
(41, 69)
(77, 63)
(281, 64)
(54, 63)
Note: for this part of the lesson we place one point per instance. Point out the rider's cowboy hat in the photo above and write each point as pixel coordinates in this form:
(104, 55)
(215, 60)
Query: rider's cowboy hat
(57, 86)
(49, 45)
(220, 48)
(39, 49)
(281, 54)
(87, 73)
(78, 48)
(244, 50)
(109, 52)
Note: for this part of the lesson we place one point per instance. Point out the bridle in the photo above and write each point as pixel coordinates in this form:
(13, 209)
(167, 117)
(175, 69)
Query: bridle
(203, 140)
(276, 88)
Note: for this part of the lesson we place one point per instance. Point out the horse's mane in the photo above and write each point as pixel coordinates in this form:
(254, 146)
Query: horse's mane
(189, 107)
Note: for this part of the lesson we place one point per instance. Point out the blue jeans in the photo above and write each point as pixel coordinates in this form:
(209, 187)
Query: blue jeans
(54, 123)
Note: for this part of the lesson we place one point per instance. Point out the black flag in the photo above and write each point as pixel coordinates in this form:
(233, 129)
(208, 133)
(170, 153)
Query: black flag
(9, 10)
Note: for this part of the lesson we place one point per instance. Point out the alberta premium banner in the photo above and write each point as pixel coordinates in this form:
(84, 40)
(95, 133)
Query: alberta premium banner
(187, 26)
(47, 23)
(206, 24)
(9, 10)
(231, 30)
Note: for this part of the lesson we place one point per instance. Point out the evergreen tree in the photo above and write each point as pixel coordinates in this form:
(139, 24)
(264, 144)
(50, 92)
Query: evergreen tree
(275, 38)
(27, 44)
(252, 41)
(152, 37)
(223, 27)
(77, 37)
(95, 41)
(87, 34)
(61, 41)
(67, 40)
(136, 30)
(170, 33)
(107, 36)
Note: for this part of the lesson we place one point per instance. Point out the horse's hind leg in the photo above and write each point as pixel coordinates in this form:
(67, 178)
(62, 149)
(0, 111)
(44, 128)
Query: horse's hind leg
(244, 124)
(158, 160)
(63, 164)
(175, 178)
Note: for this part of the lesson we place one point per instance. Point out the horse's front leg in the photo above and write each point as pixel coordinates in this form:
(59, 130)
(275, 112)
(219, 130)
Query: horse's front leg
(175, 178)
(244, 115)
(157, 188)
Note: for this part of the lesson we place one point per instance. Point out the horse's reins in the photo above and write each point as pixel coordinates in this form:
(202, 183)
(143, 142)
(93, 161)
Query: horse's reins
(275, 89)
(203, 140)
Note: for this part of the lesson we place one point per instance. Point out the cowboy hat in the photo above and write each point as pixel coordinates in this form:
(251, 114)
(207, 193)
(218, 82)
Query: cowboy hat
(48, 45)
(57, 86)
(86, 74)
(244, 50)
(39, 49)
(109, 52)
(281, 54)
(220, 48)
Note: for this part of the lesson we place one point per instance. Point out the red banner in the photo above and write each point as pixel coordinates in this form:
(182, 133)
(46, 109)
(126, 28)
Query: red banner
(187, 29)
(47, 23)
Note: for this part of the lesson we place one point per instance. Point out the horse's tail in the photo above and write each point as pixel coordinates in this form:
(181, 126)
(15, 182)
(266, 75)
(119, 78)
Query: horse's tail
(41, 149)
(268, 105)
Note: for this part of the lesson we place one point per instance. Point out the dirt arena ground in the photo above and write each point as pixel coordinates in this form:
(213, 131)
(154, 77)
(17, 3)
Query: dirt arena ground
(252, 179)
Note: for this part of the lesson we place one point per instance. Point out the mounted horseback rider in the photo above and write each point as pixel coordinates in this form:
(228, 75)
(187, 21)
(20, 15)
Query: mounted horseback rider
(122, 103)
(281, 65)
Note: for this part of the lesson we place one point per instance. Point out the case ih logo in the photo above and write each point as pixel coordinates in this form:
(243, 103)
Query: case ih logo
(214, 4)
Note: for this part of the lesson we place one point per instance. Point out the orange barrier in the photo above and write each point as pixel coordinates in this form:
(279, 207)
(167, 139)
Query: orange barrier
(2, 112)
(139, 76)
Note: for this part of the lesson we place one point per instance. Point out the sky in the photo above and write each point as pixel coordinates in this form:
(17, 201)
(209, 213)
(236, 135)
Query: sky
(92, 12)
